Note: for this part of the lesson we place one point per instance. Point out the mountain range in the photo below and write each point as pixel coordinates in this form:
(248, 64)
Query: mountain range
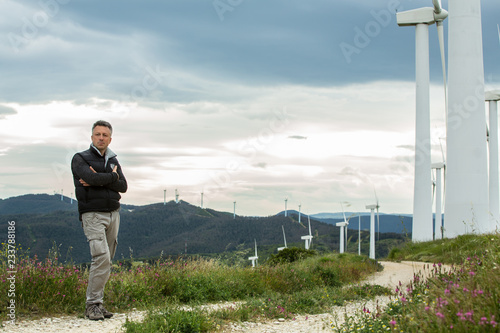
(44, 220)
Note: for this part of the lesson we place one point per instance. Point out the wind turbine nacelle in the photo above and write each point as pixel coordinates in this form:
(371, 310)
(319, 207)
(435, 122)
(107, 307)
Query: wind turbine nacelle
(308, 237)
(253, 258)
(416, 16)
(438, 165)
(281, 248)
(371, 207)
(493, 95)
(342, 224)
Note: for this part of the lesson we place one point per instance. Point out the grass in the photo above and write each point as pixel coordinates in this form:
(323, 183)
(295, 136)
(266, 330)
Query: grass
(310, 285)
(465, 298)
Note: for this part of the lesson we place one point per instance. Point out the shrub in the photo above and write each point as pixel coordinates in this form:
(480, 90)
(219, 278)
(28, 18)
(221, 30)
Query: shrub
(289, 255)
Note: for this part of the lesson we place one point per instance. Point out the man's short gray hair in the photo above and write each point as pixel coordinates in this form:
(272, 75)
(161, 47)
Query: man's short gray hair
(103, 123)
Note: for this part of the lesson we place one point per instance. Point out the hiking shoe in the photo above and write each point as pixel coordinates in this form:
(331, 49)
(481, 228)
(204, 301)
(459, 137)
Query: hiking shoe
(93, 312)
(105, 312)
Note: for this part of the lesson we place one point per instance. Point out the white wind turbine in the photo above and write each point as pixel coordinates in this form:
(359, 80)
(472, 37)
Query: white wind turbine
(440, 168)
(299, 212)
(308, 238)
(176, 196)
(256, 257)
(466, 198)
(286, 211)
(359, 234)
(421, 18)
(492, 97)
(436, 188)
(284, 238)
(343, 230)
(372, 229)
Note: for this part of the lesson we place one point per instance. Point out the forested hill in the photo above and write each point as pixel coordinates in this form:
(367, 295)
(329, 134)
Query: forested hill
(148, 230)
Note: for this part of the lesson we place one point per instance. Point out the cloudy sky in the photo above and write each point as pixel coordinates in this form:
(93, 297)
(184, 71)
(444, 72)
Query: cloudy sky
(247, 101)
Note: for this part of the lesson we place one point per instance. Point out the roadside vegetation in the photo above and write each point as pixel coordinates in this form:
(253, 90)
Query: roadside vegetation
(175, 293)
(463, 298)
(293, 282)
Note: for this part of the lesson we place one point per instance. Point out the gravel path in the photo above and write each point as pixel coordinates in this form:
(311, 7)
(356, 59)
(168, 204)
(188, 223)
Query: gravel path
(390, 277)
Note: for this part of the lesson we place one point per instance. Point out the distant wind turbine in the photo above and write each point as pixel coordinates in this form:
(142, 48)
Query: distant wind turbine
(372, 229)
(359, 234)
(308, 238)
(176, 196)
(284, 238)
(256, 257)
(299, 212)
(438, 223)
(286, 212)
(343, 228)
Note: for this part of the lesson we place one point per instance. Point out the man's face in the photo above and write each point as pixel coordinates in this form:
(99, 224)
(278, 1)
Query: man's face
(101, 138)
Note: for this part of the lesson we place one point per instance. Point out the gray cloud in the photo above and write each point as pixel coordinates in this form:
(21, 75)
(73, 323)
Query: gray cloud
(6, 110)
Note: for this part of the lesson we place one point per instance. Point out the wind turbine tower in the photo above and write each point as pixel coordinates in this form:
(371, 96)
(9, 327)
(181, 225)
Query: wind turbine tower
(343, 227)
(176, 196)
(438, 222)
(256, 257)
(299, 212)
(62, 197)
(234, 210)
(359, 234)
(286, 212)
(492, 97)
(466, 198)
(164, 197)
(421, 18)
(372, 230)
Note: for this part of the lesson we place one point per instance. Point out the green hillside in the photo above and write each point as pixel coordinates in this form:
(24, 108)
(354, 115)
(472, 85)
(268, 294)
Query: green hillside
(147, 231)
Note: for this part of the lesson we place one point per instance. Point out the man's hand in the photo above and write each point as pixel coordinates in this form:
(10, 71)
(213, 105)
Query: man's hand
(115, 171)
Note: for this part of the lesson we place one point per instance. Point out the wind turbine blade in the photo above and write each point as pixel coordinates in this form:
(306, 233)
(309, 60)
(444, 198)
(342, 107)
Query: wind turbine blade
(433, 186)
(343, 211)
(442, 151)
(444, 187)
(309, 221)
(440, 30)
(284, 237)
(498, 27)
(437, 6)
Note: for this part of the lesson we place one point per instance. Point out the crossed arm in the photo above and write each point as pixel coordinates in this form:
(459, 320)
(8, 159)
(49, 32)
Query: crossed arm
(84, 183)
(114, 180)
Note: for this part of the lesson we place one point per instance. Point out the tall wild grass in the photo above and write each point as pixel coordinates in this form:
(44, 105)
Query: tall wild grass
(463, 298)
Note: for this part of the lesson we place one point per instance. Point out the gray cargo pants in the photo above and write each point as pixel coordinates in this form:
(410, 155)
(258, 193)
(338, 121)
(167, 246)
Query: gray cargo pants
(101, 230)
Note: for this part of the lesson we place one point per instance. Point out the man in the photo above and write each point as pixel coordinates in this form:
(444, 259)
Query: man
(98, 179)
